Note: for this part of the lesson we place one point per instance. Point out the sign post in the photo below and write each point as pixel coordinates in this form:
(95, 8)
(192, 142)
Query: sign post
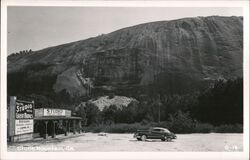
(11, 118)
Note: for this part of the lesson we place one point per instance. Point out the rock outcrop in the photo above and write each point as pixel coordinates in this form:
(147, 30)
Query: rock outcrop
(176, 56)
(118, 101)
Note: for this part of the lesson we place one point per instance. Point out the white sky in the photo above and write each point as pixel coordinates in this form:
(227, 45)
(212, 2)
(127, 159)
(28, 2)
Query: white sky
(41, 27)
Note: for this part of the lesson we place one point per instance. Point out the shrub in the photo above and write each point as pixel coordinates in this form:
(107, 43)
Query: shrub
(95, 128)
(164, 124)
(116, 128)
(203, 128)
(111, 95)
(181, 123)
(229, 128)
(125, 128)
(131, 128)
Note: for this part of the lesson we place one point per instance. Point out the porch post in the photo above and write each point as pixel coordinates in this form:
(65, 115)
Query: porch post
(46, 134)
(66, 128)
(80, 125)
(74, 126)
(54, 130)
(69, 126)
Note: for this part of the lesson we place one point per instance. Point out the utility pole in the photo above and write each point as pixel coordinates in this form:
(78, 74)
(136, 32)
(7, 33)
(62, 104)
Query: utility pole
(159, 108)
(159, 113)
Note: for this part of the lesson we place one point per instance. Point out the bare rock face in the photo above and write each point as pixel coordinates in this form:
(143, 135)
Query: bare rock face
(176, 56)
(118, 101)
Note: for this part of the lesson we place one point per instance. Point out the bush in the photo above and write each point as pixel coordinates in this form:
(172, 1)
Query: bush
(203, 128)
(164, 124)
(229, 128)
(181, 123)
(122, 128)
(95, 128)
(131, 128)
(125, 128)
(117, 128)
(111, 95)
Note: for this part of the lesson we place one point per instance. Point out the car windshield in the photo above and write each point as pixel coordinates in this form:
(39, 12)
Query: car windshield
(166, 130)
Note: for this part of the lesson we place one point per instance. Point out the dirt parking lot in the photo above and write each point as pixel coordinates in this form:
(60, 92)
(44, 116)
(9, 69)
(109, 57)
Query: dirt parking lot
(126, 142)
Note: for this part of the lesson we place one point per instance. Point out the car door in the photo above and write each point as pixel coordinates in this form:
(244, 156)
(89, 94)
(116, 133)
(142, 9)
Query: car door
(156, 133)
(150, 134)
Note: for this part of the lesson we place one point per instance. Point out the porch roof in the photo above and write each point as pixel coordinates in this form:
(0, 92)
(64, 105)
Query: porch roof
(56, 118)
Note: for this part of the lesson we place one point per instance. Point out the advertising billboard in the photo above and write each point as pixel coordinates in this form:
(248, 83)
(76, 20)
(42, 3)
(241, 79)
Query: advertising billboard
(24, 114)
(24, 110)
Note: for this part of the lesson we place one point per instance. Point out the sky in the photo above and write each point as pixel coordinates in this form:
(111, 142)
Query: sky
(41, 27)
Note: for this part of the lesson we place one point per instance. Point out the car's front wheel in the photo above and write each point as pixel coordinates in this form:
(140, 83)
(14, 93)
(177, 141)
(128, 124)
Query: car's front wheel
(164, 138)
(169, 139)
(143, 137)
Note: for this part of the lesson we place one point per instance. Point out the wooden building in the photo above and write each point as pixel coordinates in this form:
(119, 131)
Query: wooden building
(50, 122)
(24, 122)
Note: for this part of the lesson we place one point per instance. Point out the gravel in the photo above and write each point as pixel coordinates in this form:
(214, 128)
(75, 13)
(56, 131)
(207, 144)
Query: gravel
(125, 142)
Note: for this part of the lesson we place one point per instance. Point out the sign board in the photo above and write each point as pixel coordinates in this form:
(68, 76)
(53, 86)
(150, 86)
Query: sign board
(23, 126)
(40, 112)
(54, 112)
(20, 119)
(24, 110)
(67, 113)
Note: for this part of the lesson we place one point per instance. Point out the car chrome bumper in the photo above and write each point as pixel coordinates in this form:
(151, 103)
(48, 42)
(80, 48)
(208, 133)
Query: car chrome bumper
(136, 136)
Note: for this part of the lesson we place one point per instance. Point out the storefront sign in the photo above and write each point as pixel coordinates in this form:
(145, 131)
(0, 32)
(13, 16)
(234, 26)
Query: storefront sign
(24, 110)
(53, 112)
(23, 126)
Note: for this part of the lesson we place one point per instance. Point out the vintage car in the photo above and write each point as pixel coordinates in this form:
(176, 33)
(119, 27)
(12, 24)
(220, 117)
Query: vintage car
(155, 133)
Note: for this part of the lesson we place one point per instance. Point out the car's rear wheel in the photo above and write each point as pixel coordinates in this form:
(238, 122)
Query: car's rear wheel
(143, 137)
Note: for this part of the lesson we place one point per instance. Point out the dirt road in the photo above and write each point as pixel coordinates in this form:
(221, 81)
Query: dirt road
(126, 142)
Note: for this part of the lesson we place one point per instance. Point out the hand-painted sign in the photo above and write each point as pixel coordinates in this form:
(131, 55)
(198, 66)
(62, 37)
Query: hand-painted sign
(53, 112)
(23, 126)
(24, 110)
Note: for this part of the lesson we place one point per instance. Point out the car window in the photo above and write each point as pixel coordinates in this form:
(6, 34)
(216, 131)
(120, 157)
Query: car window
(157, 130)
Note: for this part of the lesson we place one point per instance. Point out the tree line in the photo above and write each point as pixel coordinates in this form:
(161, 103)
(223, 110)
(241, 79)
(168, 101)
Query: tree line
(220, 104)
(23, 52)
